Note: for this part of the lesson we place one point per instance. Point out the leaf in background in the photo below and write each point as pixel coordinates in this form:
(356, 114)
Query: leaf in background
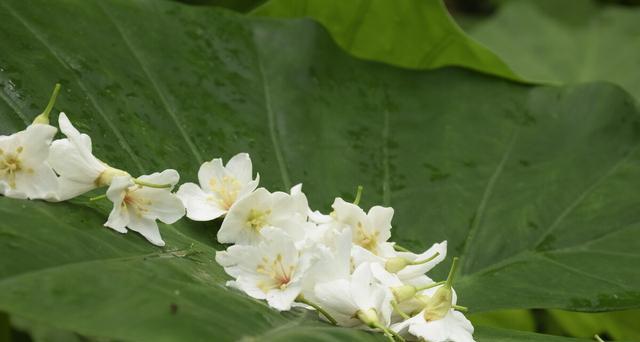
(413, 34)
(621, 325)
(522, 320)
(566, 41)
(533, 186)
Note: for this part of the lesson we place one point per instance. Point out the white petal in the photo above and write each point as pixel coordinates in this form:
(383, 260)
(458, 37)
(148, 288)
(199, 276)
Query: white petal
(381, 221)
(163, 205)
(146, 227)
(118, 219)
(209, 170)
(81, 142)
(68, 188)
(335, 296)
(239, 166)
(69, 162)
(413, 271)
(38, 183)
(168, 176)
(200, 205)
(234, 228)
(116, 191)
(35, 143)
(281, 300)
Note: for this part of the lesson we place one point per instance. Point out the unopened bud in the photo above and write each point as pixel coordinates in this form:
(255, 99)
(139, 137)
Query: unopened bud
(439, 304)
(404, 292)
(396, 264)
(368, 317)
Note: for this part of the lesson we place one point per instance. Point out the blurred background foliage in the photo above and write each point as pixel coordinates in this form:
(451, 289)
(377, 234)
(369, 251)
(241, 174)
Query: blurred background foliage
(477, 34)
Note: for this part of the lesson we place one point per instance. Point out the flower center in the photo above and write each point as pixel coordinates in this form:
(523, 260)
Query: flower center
(139, 205)
(278, 276)
(258, 219)
(227, 190)
(10, 164)
(366, 239)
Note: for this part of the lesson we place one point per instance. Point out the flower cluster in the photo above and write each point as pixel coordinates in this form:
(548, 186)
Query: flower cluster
(34, 166)
(341, 264)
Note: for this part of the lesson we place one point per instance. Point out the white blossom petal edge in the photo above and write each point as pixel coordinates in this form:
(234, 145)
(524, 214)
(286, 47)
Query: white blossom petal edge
(138, 207)
(74, 162)
(220, 187)
(24, 171)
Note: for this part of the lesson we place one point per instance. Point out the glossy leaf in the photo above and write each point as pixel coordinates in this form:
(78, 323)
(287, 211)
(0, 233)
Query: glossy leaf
(534, 187)
(566, 41)
(412, 34)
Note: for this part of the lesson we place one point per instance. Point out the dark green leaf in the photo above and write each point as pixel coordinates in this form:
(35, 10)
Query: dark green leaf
(533, 186)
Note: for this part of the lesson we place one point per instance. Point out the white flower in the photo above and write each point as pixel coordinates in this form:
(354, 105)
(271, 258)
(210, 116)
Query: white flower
(405, 265)
(74, 162)
(24, 172)
(273, 269)
(137, 207)
(357, 300)
(453, 327)
(247, 218)
(220, 187)
(370, 230)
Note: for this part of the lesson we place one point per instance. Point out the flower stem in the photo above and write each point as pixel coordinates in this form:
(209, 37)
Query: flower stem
(429, 286)
(151, 185)
(425, 260)
(598, 338)
(396, 307)
(103, 196)
(358, 195)
(461, 308)
(390, 334)
(43, 118)
(318, 308)
(452, 273)
(397, 247)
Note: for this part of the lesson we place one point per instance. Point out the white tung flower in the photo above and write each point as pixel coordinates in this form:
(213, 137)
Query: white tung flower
(24, 171)
(356, 300)
(245, 221)
(74, 162)
(370, 230)
(137, 206)
(220, 187)
(273, 269)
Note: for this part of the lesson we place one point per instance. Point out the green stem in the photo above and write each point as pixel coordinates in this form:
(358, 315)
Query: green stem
(425, 260)
(103, 196)
(151, 185)
(390, 334)
(318, 308)
(397, 247)
(461, 308)
(429, 286)
(396, 307)
(452, 273)
(43, 118)
(358, 195)
(598, 338)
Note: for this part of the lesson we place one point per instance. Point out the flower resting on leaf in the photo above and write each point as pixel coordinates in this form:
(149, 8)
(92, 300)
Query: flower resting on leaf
(220, 187)
(245, 221)
(272, 269)
(138, 203)
(73, 161)
(438, 320)
(24, 171)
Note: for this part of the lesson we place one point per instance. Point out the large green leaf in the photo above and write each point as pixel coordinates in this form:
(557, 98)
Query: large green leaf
(412, 33)
(533, 186)
(566, 41)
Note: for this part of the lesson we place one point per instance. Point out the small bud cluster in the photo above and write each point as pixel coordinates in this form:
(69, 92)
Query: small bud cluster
(341, 264)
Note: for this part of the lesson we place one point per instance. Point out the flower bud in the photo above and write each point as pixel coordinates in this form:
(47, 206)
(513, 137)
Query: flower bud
(368, 317)
(438, 306)
(404, 292)
(396, 264)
